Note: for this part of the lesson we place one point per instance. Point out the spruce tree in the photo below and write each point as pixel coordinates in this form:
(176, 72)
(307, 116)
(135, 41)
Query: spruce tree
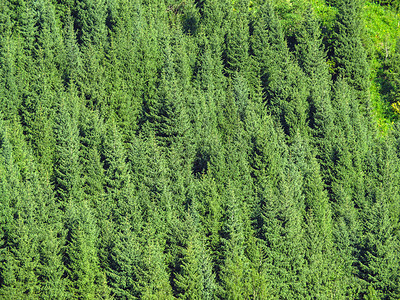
(281, 77)
(38, 211)
(68, 181)
(92, 79)
(235, 273)
(349, 53)
(91, 130)
(73, 56)
(346, 178)
(210, 82)
(9, 92)
(52, 270)
(124, 261)
(19, 254)
(150, 172)
(119, 198)
(237, 40)
(153, 274)
(313, 61)
(51, 234)
(279, 208)
(85, 279)
(378, 252)
(208, 205)
(150, 63)
(380, 255)
(91, 22)
(47, 83)
(322, 272)
(196, 279)
(124, 85)
(173, 122)
(43, 85)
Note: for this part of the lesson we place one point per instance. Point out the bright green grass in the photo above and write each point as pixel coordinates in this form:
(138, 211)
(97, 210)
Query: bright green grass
(382, 26)
(382, 29)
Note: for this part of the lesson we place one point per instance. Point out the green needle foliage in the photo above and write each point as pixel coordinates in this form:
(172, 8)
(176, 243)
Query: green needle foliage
(198, 149)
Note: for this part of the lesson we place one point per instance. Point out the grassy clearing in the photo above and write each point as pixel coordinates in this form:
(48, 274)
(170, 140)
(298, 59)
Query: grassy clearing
(382, 29)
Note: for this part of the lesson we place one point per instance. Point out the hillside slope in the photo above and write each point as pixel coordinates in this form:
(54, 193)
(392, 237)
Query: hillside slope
(208, 149)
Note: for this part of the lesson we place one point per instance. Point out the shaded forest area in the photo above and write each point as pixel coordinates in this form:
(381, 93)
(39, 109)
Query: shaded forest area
(209, 149)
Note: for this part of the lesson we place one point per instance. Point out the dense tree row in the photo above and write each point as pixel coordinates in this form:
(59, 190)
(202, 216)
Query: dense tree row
(193, 150)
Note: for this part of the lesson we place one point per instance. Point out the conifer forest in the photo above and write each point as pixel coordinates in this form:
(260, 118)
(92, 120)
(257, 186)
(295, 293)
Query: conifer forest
(199, 149)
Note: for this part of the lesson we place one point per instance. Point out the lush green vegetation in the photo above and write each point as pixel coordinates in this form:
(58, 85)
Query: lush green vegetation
(382, 31)
(209, 149)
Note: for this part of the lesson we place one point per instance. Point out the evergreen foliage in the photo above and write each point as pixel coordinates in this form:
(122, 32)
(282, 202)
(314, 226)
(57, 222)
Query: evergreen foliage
(349, 53)
(195, 150)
